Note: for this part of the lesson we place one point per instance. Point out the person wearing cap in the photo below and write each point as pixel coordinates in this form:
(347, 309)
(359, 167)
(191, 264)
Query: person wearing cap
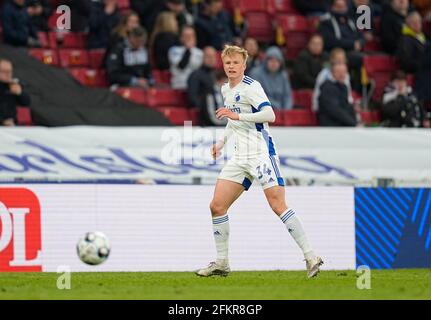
(274, 79)
(128, 64)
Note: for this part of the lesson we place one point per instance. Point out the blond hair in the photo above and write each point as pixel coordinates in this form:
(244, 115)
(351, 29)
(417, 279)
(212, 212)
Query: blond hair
(229, 50)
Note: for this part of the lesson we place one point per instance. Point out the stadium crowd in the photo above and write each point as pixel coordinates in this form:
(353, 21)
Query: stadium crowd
(328, 74)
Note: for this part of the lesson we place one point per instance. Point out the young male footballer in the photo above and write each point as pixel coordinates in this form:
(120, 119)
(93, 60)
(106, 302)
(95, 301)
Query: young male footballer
(249, 111)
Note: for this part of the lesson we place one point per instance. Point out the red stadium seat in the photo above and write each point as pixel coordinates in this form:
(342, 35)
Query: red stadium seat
(379, 68)
(74, 58)
(97, 57)
(52, 21)
(303, 98)
(23, 115)
(313, 24)
(176, 116)
(246, 6)
(75, 40)
(137, 95)
(370, 117)
(157, 97)
(47, 56)
(259, 26)
(284, 6)
(43, 39)
(90, 77)
(298, 117)
(219, 62)
(162, 77)
(279, 118)
(296, 30)
(373, 46)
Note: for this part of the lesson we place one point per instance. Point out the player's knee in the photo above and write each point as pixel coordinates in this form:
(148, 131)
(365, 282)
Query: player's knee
(278, 206)
(217, 209)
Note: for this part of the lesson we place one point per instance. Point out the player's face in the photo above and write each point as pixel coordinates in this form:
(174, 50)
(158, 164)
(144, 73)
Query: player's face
(234, 66)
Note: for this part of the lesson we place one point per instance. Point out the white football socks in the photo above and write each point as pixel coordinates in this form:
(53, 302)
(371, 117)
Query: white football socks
(221, 237)
(295, 229)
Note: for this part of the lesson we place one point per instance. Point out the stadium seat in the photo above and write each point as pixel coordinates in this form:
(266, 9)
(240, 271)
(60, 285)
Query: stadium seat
(296, 31)
(176, 116)
(303, 98)
(157, 97)
(90, 77)
(97, 57)
(284, 6)
(373, 46)
(247, 6)
(23, 115)
(74, 58)
(379, 68)
(52, 20)
(137, 95)
(47, 56)
(75, 40)
(298, 117)
(162, 77)
(313, 24)
(259, 26)
(43, 39)
(279, 118)
(219, 62)
(370, 117)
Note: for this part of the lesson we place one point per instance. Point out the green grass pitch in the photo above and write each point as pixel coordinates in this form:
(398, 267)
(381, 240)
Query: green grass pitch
(385, 284)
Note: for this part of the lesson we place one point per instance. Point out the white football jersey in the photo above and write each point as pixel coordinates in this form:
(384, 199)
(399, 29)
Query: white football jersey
(251, 139)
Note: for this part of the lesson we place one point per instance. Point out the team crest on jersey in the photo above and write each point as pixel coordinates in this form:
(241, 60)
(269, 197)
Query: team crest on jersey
(237, 97)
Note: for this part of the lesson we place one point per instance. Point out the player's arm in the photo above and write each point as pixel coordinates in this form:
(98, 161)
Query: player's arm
(266, 114)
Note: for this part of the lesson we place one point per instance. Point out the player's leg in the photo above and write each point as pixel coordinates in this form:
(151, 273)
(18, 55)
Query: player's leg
(276, 199)
(225, 193)
(227, 190)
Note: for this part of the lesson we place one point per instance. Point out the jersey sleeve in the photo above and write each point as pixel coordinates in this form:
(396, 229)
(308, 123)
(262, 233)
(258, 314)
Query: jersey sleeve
(257, 96)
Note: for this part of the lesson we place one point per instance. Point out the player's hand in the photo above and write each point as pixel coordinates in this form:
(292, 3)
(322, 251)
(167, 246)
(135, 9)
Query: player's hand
(216, 148)
(226, 113)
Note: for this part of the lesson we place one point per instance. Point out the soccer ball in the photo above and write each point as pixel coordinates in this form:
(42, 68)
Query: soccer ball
(94, 248)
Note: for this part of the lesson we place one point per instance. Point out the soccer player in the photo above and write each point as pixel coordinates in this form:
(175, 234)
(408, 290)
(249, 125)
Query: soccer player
(248, 111)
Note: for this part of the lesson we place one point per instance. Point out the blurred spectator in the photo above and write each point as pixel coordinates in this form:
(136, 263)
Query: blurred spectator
(127, 23)
(80, 11)
(204, 91)
(177, 7)
(340, 31)
(148, 11)
(335, 110)
(274, 79)
(18, 29)
(400, 107)
(164, 37)
(214, 26)
(337, 56)
(128, 63)
(184, 59)
(103, 19)
(312, 7)
(393, 17)
(39, 11)
(11, 94)
(309, 63)
(424, 7)
(411, 47)
(254, 56)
